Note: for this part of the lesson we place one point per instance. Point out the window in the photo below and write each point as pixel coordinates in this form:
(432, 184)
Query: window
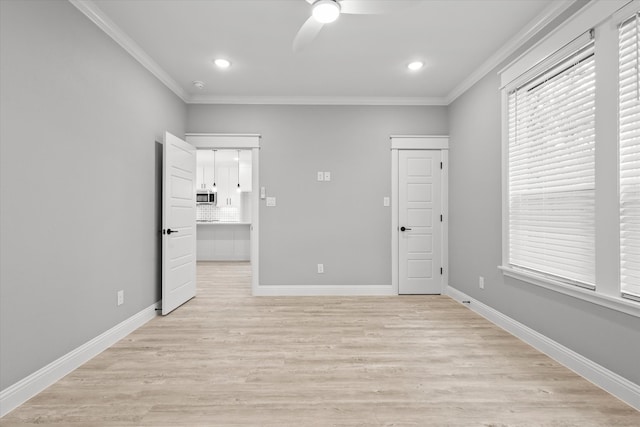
(571, 158)
(551, 168)
(629, 122)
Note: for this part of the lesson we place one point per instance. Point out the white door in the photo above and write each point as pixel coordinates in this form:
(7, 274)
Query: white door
(178, 223)
(419, 222)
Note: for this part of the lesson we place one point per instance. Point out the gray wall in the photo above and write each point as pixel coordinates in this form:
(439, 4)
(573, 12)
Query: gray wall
(605, 336)
(343, 223)
(79, 183)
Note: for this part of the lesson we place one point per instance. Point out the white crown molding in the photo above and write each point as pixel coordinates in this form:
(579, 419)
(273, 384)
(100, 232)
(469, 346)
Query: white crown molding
(551, 12)
(98, 17)
(609, 381)
(18, 393)
(315, 100)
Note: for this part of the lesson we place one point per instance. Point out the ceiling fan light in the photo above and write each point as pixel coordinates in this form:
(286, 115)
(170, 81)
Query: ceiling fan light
(222, 63)
(326, 11)
(415, 66)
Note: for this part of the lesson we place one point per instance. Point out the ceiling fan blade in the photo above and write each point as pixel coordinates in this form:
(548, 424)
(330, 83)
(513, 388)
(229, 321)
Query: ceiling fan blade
(368, 7)
(307, 33)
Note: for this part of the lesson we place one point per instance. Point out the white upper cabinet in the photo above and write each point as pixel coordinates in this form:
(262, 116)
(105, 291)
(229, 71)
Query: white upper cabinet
(225, 164)
(245, 171)
(204, 169)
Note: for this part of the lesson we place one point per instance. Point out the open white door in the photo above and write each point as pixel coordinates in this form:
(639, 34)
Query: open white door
(178, 223)
(419, 221)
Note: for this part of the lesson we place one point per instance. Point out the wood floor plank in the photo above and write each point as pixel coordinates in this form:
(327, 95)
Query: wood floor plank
(228, 359)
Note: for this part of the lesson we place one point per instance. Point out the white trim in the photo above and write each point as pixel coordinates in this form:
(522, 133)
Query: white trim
(98, 17)
(609, 381)
(551, 12)
(444, 158)
(395, 251)
(317, 100)
(590, 16)
(223, 140)
(419, 142)
(324, 290)
(254, 232)
(18, 393)
(619, 304)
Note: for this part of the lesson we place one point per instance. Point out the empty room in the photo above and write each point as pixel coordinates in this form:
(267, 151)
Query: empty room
(320, 212)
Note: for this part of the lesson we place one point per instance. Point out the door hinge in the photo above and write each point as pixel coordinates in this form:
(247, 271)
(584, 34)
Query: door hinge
(440, 270)
(440, 165)
(440, 218)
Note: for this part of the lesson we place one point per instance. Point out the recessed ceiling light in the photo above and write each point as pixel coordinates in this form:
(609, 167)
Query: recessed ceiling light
(326, 11)
(415, 66)
(198, 84)
(222, 63)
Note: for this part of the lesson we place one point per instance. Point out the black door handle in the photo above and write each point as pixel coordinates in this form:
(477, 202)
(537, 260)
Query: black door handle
(404, 229)
(169, 231)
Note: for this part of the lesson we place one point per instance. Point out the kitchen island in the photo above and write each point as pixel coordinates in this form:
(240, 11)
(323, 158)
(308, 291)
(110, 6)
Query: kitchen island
(223, 241)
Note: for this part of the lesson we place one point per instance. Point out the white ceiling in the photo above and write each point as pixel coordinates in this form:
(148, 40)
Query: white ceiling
(357, 58)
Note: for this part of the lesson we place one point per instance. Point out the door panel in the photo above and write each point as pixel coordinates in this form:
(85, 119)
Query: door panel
(419, 211)
(179, 216)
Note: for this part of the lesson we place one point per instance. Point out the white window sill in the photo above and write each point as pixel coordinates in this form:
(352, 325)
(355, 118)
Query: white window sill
(615, 303)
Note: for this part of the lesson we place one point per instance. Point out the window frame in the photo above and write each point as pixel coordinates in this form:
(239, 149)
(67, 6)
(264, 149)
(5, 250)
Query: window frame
(604, 17)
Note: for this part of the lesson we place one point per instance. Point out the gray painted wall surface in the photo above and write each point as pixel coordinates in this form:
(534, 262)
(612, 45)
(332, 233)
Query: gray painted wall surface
(343, 223)
(79, 183)
(607, 337)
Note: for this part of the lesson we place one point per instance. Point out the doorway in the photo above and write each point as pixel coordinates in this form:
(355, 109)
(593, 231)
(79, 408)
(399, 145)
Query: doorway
(249, 230)
(419, 215)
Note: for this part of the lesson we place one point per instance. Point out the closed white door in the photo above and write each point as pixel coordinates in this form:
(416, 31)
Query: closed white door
(419, 222)
(178, 223)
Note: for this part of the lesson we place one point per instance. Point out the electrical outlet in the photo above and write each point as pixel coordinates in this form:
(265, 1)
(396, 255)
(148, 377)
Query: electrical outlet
(481, 282)
(320, 268)
(271, 201)
(120, 297)
(320, 176)
(327, 176)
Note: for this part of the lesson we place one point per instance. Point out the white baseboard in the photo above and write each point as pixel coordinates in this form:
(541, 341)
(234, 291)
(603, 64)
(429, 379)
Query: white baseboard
(18, 393)
(322, 290)
(609, 381)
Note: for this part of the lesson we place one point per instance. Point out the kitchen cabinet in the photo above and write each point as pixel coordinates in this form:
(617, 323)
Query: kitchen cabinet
(223, 242)
(245, 171)
(227, 182)
(204, 169)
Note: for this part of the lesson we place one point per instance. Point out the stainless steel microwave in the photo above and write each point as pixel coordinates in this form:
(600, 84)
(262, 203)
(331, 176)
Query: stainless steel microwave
(205, 197)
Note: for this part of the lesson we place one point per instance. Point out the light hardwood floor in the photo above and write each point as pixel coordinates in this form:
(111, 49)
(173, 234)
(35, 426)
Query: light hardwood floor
(229, 359)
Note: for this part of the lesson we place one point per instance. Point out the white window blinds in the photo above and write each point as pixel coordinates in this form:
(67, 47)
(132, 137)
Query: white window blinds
(551, 168)
(629, 110)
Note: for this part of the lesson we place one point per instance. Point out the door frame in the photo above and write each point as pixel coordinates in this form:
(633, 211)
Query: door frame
(242, 141)
(418, 142)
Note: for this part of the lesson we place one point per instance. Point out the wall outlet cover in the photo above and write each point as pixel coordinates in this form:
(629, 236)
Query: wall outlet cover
(271, 201)
(320, 176)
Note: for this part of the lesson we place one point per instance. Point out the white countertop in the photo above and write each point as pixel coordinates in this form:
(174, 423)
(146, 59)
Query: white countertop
(222, 223)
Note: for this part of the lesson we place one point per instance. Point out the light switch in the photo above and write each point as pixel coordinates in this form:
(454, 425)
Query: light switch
(263, 192)
(386, 201)
(271, 201)
(320, 176)
(327, 176)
